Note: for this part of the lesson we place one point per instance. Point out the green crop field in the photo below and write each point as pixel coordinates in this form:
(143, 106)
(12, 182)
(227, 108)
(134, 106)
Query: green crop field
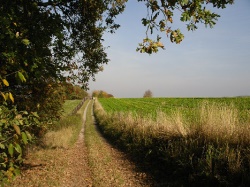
(204, 141)
(188, 107)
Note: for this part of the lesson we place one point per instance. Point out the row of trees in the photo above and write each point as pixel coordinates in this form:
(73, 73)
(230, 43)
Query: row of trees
(44, 44)
(73, 91)
(101, 94)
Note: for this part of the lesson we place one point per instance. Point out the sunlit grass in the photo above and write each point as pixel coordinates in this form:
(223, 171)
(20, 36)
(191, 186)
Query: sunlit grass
(212, 146)
(68, 128)
(104, 168)
(69, 105)
(51, 156)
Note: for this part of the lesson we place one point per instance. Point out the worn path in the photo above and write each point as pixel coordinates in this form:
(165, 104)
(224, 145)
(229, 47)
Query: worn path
(70, 167)
(77, 172)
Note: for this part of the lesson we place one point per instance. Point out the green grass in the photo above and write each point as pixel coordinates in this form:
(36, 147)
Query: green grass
(65, 132)
(69, 105)
(105, 171)
(189, 141)
(52, 153)
(188, 107)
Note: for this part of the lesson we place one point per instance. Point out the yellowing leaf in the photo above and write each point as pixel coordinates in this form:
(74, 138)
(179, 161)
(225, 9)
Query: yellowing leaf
(17, 34)
(25, 41)
(28, 135)
(18, 116)
(6, 95)
(17, 129)
(3, 96)
(35, 114)
(2, 146)
(5, 82)
(159, 44)
(11, 97)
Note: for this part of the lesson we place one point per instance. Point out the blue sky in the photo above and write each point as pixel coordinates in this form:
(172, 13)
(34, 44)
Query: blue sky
(208, 63)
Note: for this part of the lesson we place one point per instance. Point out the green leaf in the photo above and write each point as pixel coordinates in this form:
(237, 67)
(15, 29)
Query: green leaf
(25, 41)
(21, 77)
(11, 149)
(24, 138)
(25, 112)
(35, 114)
(2, 146)
(17, 171)
(28, 135)
(18, 148)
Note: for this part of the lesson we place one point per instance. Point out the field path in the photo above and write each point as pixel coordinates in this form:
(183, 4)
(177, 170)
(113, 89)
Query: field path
(70, 167)
(77, 172)
(113, 166)
(110, 166)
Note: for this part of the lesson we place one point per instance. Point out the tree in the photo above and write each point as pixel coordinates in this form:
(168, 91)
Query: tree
(148, 93)
(161, 15)
(46, 39)
(41, 39)
(40, 43)
(101, 94)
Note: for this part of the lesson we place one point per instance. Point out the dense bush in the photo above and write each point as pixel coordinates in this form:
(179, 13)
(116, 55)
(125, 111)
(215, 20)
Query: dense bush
(26, 111)
(16, 129)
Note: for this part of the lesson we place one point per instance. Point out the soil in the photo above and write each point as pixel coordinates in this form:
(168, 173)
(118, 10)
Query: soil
(69, 167)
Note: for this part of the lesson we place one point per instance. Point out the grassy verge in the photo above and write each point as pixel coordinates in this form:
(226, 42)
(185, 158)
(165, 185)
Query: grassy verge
(69, 106)
(68, 128)
(213, 150)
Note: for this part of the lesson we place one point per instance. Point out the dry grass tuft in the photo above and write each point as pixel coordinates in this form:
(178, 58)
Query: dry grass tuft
(59, 139)
(222, 123)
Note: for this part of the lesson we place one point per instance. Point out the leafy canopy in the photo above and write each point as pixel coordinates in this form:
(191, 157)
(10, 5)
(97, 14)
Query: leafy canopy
(58, 38)
(161, 14)
(40, 39)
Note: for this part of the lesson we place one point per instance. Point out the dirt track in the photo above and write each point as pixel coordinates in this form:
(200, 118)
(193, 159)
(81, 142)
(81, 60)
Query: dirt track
(70, 167)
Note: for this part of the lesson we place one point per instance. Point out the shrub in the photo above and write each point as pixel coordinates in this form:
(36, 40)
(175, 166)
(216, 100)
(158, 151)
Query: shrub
(15, 134)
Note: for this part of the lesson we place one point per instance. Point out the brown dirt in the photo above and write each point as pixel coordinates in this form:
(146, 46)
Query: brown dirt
(69, 168)
(77, 172)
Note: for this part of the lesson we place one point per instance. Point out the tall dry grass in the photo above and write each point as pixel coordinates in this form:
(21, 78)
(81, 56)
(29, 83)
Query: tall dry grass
(213, 147)
(66, 132)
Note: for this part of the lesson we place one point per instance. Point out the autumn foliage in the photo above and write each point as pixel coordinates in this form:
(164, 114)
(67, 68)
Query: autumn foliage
(101, 94)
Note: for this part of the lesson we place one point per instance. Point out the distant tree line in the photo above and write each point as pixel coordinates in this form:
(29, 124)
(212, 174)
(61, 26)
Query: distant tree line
(101, 94)
(73, 91)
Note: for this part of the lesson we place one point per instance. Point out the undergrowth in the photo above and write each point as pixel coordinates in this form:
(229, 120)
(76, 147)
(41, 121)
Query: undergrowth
(53, 144)
(65, 133)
